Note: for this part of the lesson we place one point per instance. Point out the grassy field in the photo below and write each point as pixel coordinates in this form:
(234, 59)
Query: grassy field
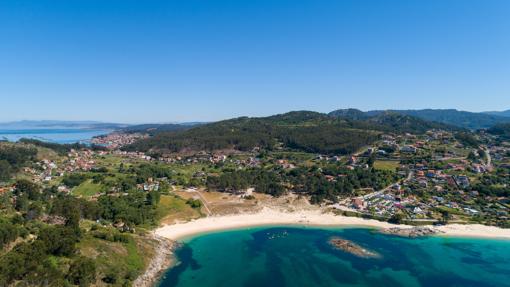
(172, 208)
(87, 189)
(386, 165)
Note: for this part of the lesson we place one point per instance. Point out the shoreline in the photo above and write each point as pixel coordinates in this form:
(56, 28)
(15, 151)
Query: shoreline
(163, 259)
(171, 236)
(312, 218)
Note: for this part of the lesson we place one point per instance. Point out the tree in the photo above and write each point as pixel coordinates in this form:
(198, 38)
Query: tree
(445, 216)
(5, 170)
(82, 271)
(194, 203)
(8, 232)
(21, 203)
(153, 197)
(59, 240)
(396, 218)
(371, 160)
(35, 210)
(74, 179)
(29, 188)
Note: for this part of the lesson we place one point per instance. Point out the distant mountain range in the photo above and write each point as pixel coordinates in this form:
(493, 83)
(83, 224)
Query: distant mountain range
(463, 119)
(501, 114)
(50, 124)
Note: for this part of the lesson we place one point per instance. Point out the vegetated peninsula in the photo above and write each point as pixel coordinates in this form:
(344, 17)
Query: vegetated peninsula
(102, 214)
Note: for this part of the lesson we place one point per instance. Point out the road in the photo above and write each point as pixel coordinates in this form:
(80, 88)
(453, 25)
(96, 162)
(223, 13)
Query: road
(379, 192)
(202, 199)
(489, 158)
(370, 195)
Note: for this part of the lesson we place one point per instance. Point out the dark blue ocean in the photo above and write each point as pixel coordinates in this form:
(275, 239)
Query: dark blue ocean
(61, 136)
(283, 256)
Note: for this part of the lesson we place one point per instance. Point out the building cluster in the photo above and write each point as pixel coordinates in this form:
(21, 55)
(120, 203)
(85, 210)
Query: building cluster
(133, 155)
(114, 141)
(82, 160)
(150, 185)
(445, 180)
(211, 158)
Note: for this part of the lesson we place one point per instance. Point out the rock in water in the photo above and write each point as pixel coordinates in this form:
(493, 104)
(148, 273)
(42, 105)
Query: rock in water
(352, 248)
(410, 232)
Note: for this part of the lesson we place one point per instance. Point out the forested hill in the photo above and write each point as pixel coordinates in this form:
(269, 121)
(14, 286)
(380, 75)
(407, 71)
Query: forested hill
(393, 121)
(302, 130)
(502, 130)
(309, 131)
(454, 117)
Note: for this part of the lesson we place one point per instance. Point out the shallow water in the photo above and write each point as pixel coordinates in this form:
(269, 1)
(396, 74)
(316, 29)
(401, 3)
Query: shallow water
(288, 256)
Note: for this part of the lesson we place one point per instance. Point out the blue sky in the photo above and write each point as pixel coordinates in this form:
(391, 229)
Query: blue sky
(161, 61)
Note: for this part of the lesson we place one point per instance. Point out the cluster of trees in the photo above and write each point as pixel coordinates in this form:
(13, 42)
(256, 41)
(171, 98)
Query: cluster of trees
(35, 262)
(135, 208)
(328, 139)
(145, 171)
(8, 232)
(262, 180)
(74, 179)
(12, 158)
(335, 181)
(467, 139)
(494, 184)
(327, 183)
(132, 208)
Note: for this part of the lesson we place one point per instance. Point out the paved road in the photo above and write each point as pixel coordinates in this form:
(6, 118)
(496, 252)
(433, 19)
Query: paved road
(370, 195)
(379, 192)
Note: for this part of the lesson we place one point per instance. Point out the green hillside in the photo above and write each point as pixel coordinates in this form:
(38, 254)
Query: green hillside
(302, 130)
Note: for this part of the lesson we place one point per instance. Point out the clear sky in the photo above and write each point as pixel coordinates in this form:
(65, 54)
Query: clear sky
(161, 61)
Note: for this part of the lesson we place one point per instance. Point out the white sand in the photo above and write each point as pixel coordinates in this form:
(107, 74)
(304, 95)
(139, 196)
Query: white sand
(308, 218)
(474, 230)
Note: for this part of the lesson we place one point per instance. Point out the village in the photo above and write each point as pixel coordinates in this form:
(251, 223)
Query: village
(433, 180)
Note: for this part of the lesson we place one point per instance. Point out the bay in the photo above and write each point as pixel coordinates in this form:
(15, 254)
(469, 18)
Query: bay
(62, 136)
(290, 256)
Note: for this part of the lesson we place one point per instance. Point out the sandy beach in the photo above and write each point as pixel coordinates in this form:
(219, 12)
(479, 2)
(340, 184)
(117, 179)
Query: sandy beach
(309, 218)
(306, 217)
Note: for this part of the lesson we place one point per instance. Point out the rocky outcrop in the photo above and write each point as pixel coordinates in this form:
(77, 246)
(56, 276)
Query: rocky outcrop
(161, 261)
(412, 232)
(352, 248)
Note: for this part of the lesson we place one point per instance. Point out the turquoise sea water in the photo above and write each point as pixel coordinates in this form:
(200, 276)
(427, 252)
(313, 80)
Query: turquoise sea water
(288, 256)
(61, 136)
